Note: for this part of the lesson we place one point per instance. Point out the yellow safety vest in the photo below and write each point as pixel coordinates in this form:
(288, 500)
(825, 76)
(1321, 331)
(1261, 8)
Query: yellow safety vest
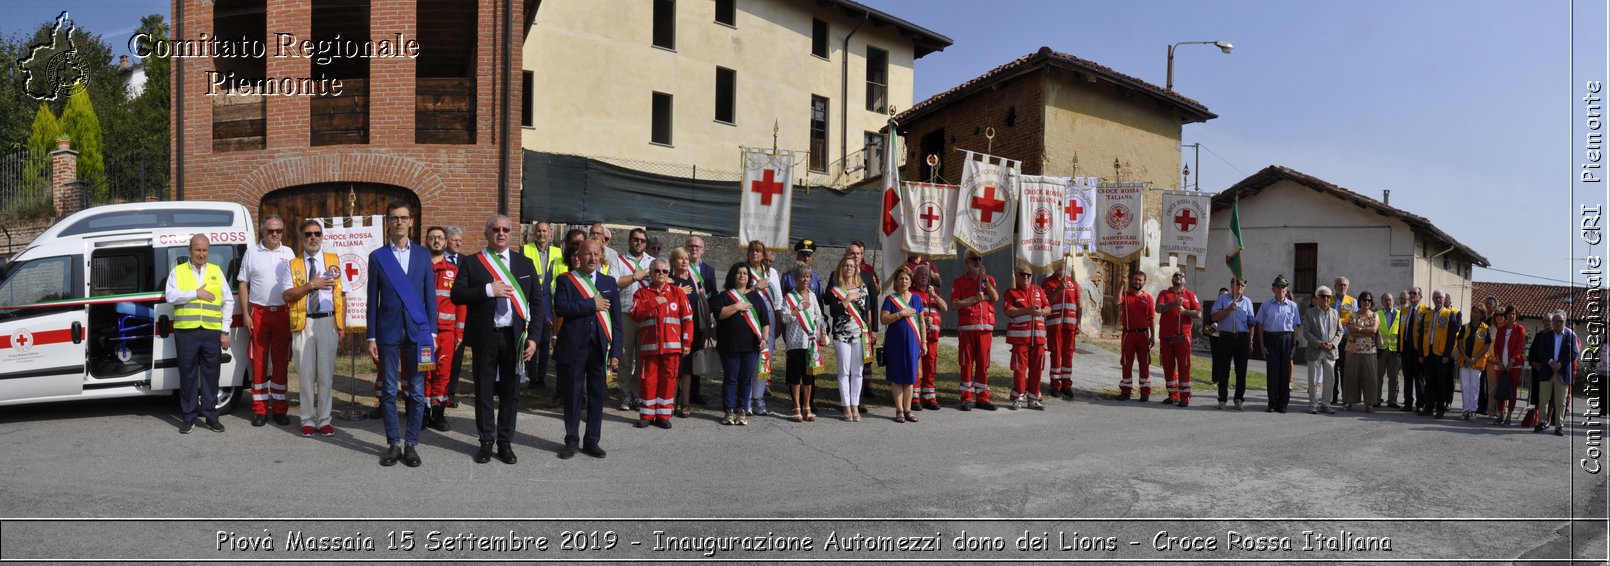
(1389, 333)
(198, 313)
(555, 261)
(299, 277)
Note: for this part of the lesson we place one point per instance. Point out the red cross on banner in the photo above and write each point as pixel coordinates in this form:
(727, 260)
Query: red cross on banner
(767, 187)
(1074, 210)
(988, 205)
(930, 217)
(352, 271)
(1042, 220)
(1185, 220)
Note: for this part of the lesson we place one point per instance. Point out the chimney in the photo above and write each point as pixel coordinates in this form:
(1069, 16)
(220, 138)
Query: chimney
(122, 63)
(1386, 197)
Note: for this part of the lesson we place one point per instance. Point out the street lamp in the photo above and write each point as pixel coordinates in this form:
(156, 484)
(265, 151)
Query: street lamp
(1222, 45)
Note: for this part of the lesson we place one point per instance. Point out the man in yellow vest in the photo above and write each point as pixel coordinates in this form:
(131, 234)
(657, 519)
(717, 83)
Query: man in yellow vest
(312, 283)
(1387, 362)
(203, 307)
(1438, 326)
(548, 260)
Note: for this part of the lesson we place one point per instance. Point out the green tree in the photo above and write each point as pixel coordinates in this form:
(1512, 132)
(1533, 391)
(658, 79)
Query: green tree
(81, 124)
(148, 116)
(36, 193)
(45, 130)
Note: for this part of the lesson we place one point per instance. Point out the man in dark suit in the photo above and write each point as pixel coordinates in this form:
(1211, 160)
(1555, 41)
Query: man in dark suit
(394, 335)
(588, 308)
(505, 315)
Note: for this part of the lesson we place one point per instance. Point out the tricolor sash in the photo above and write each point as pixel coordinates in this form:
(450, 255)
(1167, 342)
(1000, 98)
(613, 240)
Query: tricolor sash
(809, 324)
(590, 292)
(697, 276)
(752, 319)
(867, 355)
(911, 320)
(413, 304)
(493, 262)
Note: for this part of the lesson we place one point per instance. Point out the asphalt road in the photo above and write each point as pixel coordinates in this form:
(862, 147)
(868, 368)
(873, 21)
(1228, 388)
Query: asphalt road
(1079, 472)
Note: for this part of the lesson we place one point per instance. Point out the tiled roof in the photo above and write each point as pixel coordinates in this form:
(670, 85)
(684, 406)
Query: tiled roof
(1532, 300)
(1255, 184)
(1194, 111)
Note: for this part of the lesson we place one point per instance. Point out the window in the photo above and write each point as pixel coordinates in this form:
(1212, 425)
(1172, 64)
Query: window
(662, 119)
(525, 99)
(877, 80)
(872, 155)
(120, 271)
(238, 120)
(933, 143)
(665, 23)
(444, 73)
(727, 12)
(726, 95)
(819, 38)
(1305, 269)
(341, 119)
(818, 134)
(45, 279)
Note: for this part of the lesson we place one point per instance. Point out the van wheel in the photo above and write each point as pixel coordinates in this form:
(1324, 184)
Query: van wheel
(228, 399)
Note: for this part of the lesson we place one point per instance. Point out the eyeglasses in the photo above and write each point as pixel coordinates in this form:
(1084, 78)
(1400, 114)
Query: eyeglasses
(399, 218)
(1324, 296)
(274, 231)
(500, 230)
(695, 247)
(313, 234)
(1025, 275)
(662, 271)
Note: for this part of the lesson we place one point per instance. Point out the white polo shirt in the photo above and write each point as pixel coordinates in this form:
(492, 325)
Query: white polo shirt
(260, 270)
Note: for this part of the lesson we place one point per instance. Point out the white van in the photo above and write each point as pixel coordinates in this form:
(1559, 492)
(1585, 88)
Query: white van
(81, 308)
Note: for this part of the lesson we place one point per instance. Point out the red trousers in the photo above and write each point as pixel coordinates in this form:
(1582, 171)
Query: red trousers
(658, 384)
(1135, 349)
(974, 361)
(270, 348)
(1059, 342)
(1176, 358)
(925, 377)
(1028, 364)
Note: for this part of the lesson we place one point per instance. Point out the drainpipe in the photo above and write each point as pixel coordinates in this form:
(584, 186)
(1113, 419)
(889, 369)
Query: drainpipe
(503, 131)
(844, 94)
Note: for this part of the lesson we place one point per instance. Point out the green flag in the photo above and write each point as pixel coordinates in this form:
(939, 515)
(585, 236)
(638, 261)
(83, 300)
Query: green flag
(1233, 259)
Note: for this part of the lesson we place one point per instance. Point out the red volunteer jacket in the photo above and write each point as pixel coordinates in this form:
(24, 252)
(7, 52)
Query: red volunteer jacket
(663, 328)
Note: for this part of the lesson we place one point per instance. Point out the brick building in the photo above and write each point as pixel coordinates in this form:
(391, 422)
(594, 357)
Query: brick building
(427, 117)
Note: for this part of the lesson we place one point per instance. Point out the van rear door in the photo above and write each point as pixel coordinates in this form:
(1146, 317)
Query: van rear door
(42, 329)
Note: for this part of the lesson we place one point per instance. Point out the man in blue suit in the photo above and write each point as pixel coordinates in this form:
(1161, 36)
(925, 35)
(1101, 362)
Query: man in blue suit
(1553, 357)
(588, 307)
(401, 272)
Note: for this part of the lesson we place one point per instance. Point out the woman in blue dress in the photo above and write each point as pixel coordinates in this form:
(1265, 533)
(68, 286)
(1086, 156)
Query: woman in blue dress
(902, 348)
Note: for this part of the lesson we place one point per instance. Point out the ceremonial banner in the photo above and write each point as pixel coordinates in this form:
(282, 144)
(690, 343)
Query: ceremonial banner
(1118, 222)
(1080, 237)
(1236, 244)
(1185, 226)
(351, 241)
(927, 209)
(768, 195)
(987, 197)
(891, 226)
(1041, 219)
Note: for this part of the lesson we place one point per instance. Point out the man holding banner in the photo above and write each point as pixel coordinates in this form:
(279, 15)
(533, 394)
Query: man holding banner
(401, 329)
(505, 314)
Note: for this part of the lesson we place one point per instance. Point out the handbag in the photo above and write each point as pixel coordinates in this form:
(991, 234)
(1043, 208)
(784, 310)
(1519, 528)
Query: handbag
(706, 363)
(1531, 417)
(882, 361)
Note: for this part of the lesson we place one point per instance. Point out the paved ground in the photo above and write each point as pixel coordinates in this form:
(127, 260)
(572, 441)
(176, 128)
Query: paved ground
(1441, 489)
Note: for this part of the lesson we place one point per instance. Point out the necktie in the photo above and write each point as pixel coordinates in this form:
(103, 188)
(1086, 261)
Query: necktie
(312, 298)
(503, 303)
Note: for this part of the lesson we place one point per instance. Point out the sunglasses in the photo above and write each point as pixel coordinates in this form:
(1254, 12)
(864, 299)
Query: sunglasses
(500, 230)
(275, 231)
(313, 234)
(662, 271)
(1025, 275)
(1324, 296)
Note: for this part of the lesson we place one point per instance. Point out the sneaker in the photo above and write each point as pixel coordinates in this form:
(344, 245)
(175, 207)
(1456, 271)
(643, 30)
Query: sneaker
(1313, 411)
(326, 430)
(729, 419)
(215, 426)
(307, 430)
(1237, 404)
(185, 428)
(1036, 405)
(1327, 409)
(626, 404)
(1221, 405)
(1017, 404)
(760, 406)
(1509, 421)
(743, 420)
(1557, 432)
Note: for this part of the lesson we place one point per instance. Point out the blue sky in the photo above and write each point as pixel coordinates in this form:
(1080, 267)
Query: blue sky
(1461, 107)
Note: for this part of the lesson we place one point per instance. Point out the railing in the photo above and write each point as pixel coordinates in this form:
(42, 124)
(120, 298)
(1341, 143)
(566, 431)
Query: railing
(25, 185)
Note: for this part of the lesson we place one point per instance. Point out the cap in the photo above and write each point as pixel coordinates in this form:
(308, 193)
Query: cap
(1280, 281)
(805, 246)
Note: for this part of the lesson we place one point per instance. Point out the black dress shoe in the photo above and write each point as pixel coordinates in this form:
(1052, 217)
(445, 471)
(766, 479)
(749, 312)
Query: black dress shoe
(986, 406)
(965, 406)
(438, 419)
(484, 455)
(663, 424)
(215, 426)
(259, 420)
(1145, 398)
(1269, 410)
(282, 419)
(567, 452)
(1169, 401)
(506, 453)
(642, 423)
(1281, 411)
(184, 428)
(593, 450)
(391, 456)
(410, 457)
(931, 406)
